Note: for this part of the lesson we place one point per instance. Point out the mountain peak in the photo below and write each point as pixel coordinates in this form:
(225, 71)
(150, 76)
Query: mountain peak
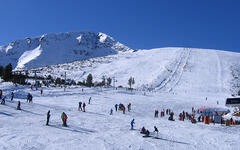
(58, 48)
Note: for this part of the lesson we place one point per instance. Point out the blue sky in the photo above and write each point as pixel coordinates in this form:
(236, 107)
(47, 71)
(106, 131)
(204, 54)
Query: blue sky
(139, 24)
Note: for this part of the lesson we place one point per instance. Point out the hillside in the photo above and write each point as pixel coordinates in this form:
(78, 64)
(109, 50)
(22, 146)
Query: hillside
(175, 70)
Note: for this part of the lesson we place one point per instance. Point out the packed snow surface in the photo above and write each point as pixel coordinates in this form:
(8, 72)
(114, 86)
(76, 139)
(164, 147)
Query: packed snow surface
(97, 129)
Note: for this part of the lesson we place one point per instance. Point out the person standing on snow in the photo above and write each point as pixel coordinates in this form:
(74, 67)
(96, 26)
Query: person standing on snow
(80, 106)
(132, 123)
(18, 106)
(12, 95)
(129, 107)
(156, 131)
(3, 101)
(116, 106)
(123, 109)
(111, 111)
(41, 91)
(64, 119)
(84, 105)
(48, 117)
(89, 101)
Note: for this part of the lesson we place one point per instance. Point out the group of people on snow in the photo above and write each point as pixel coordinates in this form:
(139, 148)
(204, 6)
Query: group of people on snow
(121, 107)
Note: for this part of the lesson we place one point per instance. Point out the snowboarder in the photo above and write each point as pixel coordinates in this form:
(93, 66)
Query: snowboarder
(80, 106)
(132, 123)
(19, 106)
(84, 105)
(111, 111)
(129, 106)
(156, 131)
(116, 106)
(48, 117)
(41, 91)
(31, 87)
(89, 101)
(64, 119)
(12, 95)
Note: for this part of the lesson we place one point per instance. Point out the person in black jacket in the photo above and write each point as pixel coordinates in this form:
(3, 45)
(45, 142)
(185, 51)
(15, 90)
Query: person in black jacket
(48, 117)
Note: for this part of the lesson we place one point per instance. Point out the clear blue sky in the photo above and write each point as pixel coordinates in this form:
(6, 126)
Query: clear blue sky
(138, 24)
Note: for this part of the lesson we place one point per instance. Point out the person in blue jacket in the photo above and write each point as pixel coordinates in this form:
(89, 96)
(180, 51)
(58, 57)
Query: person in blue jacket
(132, 123)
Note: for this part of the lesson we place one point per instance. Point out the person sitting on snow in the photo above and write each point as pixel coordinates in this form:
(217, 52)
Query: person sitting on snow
(143, 130)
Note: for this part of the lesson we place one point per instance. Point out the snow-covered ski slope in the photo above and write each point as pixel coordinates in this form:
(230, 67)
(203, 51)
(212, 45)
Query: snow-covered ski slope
(95, 129)
(170, 69)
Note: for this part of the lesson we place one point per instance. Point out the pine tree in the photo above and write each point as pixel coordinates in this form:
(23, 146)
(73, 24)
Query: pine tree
(130, 82)
(89, 80)
(7, 75)
(1, 71)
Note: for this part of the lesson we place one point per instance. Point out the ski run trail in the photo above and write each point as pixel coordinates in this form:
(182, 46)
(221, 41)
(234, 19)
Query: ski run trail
(184, 79)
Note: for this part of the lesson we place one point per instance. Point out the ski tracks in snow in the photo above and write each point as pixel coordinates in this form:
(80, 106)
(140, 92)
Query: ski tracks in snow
(172, 79)
(220, 72)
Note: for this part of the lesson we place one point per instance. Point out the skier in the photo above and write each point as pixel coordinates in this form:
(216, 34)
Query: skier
(89, 101)
(12, 95)
(129, 106)
(116, 106)
(18, 106)
(41, 91)
(80, 106)
(156, 131)
(111, 111)
(183, 115)
(132, 123)
(48, 117)
(156, 114)
(84, 105)
(3, 101)
(29, 98)
(64, 119)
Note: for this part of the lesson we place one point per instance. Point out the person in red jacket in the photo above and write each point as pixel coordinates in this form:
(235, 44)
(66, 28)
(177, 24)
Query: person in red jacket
(84, 105)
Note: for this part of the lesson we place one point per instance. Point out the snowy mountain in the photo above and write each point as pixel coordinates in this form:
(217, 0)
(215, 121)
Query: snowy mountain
(52, 49)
